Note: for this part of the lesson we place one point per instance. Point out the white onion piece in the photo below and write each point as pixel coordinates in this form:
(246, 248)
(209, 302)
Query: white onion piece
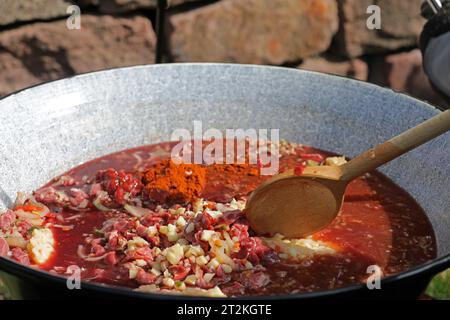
(137, 212)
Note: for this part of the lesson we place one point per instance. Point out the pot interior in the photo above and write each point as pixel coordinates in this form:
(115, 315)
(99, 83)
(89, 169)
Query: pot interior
(46, 130)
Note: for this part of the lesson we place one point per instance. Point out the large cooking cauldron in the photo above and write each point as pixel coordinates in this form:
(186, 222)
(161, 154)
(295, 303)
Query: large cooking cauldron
(50, 128)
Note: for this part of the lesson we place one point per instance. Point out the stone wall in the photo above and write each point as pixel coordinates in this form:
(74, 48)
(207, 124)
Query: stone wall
(320, 35)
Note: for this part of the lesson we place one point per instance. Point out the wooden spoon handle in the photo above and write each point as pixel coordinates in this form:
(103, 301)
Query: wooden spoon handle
(397, 146)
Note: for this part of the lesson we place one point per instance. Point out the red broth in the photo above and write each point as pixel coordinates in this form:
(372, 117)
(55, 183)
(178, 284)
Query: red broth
(379, 224)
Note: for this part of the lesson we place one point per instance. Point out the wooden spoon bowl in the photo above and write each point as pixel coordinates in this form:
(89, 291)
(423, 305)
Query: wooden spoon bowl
(275, 206)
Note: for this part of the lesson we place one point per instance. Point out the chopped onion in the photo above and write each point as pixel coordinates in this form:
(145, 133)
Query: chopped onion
(79, 209)
(98, 204)
(20, 199)
(222, 256)
(65, 228)
(93, 259)
(76, 216)
(139, 160)
(26, 215)
(36, 222)
(30, 217)
(137, 212)
(43, 212)
(82, 255)
(80, 252)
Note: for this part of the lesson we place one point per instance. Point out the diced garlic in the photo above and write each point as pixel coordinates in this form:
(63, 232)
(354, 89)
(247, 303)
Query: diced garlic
(132, 273)
(226, 268)
(135, 243)
(240, 204)
(206, 235)
(191, 280)
(189, 291)
(220, 255)
(180, 210)
(168, 282)
(201, 261)
(152, 231)
(163, 265)
(229, 242)
(172, 233)
(190, 227)
(181, 222)
(174, 254)
(15, 241)
(173, 237)
(198, 206)
(179, 285)
(335, 161)
(140, 263)
(214, 214)
(208, 277)
(213, 264)
(157, 266)
(163, 230)
(197, 292)
(195, 251)
(190, 213)
(297, 248)
(155, 272)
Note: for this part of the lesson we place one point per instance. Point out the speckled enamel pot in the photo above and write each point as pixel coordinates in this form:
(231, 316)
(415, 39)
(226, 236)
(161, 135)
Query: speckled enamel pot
(50, 128)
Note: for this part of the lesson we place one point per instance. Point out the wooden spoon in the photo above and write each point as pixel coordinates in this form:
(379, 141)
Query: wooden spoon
(296, 206)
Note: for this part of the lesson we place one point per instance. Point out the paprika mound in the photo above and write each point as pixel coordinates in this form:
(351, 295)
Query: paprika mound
(168, 182)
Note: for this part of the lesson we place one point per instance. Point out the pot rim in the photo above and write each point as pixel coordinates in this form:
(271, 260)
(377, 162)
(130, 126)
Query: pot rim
(432, 267)
(239, 65)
